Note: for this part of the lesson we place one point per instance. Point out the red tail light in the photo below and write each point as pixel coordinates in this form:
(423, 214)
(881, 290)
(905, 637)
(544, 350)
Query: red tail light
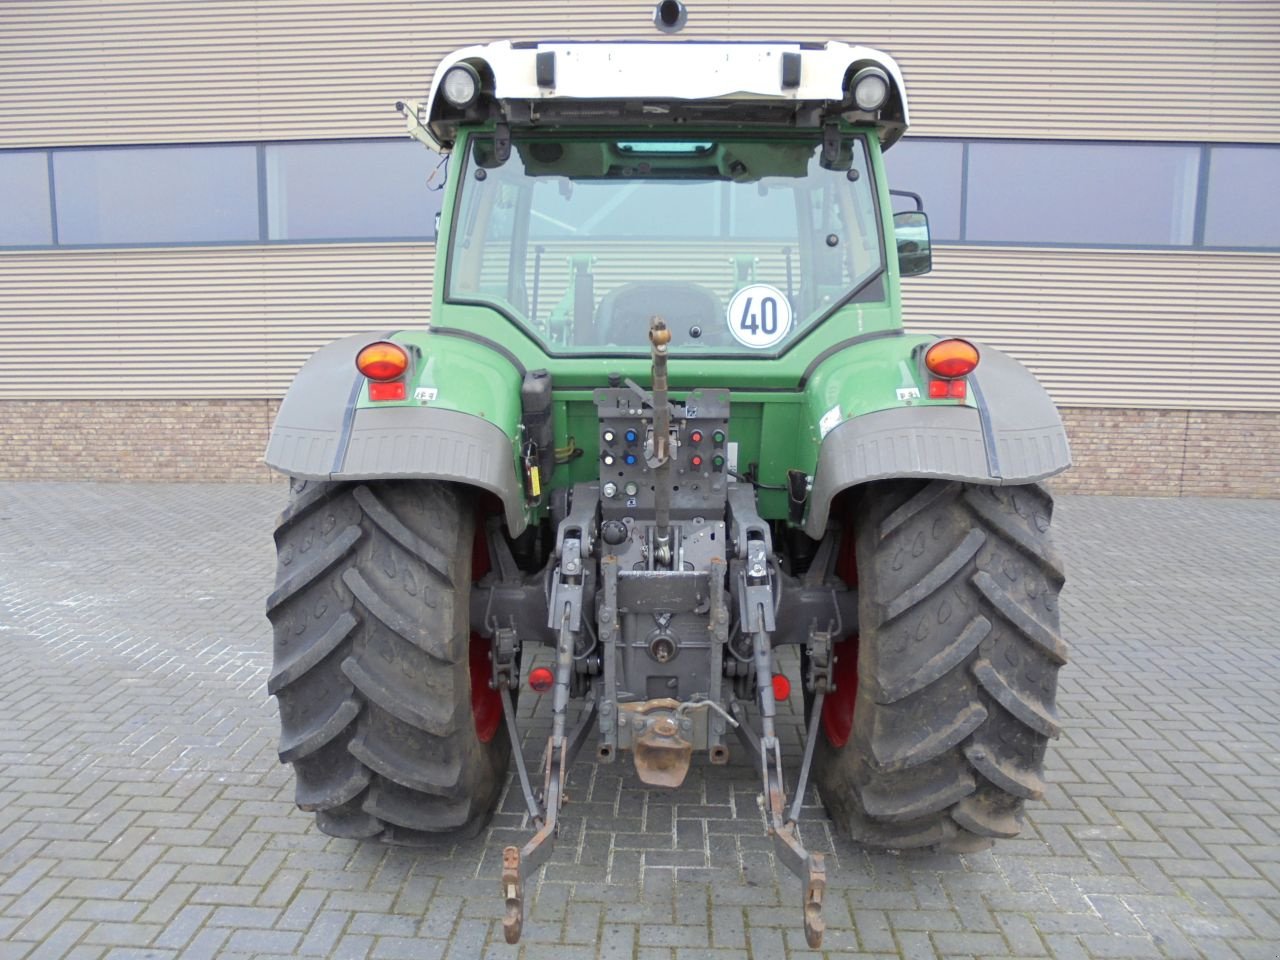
(380, 391)
(941, 389)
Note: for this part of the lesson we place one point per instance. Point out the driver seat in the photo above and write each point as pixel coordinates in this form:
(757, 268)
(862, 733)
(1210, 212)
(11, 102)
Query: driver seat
(623, 315)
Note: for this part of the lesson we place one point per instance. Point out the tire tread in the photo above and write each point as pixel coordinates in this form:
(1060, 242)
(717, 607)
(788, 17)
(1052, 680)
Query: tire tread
(958, 659)
(371, 668)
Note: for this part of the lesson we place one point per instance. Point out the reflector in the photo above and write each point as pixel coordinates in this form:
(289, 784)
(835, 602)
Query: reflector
(380, 391)
(781, 686)
(941, 389)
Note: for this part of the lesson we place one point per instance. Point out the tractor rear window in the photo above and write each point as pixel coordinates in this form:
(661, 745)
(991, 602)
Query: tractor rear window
(740, 245)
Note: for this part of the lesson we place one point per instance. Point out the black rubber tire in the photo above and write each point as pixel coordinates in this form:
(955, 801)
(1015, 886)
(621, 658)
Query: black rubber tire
(372, 661)
(958, 659)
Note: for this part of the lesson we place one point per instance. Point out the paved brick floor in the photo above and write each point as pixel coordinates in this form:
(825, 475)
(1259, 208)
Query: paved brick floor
(142, 811)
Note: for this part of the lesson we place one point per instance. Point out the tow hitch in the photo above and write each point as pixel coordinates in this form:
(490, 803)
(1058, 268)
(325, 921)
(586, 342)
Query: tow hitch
(639, 603)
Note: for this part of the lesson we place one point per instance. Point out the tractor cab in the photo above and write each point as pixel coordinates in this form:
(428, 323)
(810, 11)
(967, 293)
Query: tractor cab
(729, 187)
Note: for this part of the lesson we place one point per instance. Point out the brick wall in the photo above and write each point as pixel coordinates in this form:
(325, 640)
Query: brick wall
(135, 439)
(1170, 453)
(1122, 452)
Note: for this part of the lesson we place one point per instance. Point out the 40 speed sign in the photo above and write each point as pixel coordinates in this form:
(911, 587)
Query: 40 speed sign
(759, 316)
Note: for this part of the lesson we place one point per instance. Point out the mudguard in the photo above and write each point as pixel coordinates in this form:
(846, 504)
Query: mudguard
(1011, 434)
(460, 421)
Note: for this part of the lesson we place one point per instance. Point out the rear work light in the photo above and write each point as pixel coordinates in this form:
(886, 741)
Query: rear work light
(951, 358)
(870, 88)
(461, 85)
(382, 361)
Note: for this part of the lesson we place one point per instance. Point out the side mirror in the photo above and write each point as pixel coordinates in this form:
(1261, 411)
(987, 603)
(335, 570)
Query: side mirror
(915, 256)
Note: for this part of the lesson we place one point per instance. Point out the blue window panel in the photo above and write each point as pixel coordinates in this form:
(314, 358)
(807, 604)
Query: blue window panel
(157, 195)
(25, 219)
(1244, 197)
(1086, 193)
(348, 191)
(932, 169)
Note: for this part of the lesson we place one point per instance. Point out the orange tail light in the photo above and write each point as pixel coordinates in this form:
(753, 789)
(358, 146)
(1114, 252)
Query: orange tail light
(951, 358)
(382, 361)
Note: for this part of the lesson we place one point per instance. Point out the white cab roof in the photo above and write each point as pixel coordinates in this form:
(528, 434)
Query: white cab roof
(645, 75)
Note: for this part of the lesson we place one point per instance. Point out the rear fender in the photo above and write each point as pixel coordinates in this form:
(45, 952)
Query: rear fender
(460, 421)
(1008, 431)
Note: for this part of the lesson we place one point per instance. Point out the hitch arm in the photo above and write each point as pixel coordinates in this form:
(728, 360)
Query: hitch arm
(787, 845)
(756, 610)
(519, 862)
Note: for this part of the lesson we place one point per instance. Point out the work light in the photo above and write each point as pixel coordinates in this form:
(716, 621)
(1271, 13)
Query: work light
(461, 84)
(870, 88)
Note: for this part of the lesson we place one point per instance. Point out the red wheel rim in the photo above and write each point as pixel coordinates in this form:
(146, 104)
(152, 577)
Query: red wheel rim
(486, 703)
(837, 708)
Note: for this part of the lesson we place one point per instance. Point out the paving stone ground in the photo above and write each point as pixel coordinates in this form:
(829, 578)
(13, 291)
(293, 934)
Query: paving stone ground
(143, 812)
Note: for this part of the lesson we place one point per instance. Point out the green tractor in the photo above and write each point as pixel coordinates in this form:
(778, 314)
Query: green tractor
(664, 421)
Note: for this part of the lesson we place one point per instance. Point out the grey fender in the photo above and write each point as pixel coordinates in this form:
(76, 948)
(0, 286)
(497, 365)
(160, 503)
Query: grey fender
(320, 434)
(1014, 435)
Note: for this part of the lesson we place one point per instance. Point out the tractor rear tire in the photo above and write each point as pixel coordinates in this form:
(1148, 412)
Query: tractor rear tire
(385, 710)
(957, 664)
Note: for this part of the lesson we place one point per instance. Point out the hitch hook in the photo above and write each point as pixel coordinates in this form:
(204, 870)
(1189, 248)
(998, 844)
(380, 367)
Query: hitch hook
(513, 892)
